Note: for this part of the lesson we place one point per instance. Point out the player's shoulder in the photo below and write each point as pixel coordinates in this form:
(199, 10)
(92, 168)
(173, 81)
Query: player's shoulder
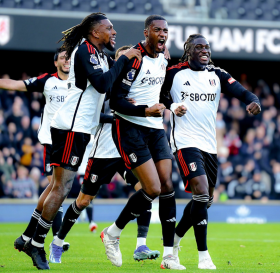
(213, 68)
(173, 70)
(86, 48)
(42, 78)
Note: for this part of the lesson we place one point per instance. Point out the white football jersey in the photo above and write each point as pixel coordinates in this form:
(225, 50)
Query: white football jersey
(143, 81)
(82, 108)
(200, 91)
(55, 91)
(104, 146)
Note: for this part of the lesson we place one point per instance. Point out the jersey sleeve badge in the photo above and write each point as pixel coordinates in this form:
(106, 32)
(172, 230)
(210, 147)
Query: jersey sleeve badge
(131, 74)
(93, 59)
(31, 80)
(231, 80)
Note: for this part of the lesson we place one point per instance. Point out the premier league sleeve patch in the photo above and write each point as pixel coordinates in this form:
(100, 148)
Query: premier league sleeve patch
(93, 59)
(131, 74)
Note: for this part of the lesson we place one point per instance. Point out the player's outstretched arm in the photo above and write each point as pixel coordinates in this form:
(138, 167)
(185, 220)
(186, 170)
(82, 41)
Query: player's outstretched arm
(12, 85)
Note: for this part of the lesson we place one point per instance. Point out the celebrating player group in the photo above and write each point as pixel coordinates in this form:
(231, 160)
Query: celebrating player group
(138, 86)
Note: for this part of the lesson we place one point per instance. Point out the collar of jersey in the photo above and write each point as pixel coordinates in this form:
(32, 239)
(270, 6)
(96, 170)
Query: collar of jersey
(56, 75)
(143, 50)
(95, 47)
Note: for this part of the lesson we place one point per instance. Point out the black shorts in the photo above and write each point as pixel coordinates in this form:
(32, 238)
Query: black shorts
(193, 162)
(100, 171)
(48, 170)
(68, 148)
(137, 144)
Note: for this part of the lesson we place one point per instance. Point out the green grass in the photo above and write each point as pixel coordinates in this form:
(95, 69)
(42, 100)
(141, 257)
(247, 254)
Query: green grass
(233, 248)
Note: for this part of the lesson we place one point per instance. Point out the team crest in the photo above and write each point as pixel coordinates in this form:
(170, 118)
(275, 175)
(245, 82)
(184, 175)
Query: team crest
(48, 168)
(93, 59)
(193, 166)
(93, 178)
(133, 157)
(74, 160)
(131, 74)
(212, 82)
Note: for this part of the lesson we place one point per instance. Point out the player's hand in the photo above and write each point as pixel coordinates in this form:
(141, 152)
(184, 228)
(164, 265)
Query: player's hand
(180, 110)
(131, 100)
(155, 111)
(132, 52)
(253, 108)
(166, 53)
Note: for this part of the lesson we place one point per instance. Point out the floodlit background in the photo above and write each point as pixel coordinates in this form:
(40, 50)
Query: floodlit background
(245, 41)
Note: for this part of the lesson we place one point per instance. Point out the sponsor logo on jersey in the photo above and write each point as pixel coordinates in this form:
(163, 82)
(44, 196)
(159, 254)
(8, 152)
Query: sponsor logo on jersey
(184, 95)
(231, 80)
(48, 167)
(126, 82)
(74, 160)
(133, 157)
(57, 98)
(93, 178)
(187, 83)
(212, 82)
(148, 72)
(55, 87)
(93, 59)
(198, 97)
(131, 74)
(152, 80)
(193, 166)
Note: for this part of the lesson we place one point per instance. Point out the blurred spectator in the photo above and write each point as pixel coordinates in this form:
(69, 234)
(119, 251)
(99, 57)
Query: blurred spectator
(23, 186)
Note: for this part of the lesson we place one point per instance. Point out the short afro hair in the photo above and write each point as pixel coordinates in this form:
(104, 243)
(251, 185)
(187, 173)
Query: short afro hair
(152, 18)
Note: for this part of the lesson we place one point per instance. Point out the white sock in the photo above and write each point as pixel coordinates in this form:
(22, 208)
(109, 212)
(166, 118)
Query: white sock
(167, 250)
(25, 238)
(114, 231)
(36, 244)
(140, 242)
(203, 255)
(58, 242)
(177, 240)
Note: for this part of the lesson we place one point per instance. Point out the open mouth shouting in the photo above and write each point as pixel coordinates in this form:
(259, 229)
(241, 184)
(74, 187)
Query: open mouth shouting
(160, 44)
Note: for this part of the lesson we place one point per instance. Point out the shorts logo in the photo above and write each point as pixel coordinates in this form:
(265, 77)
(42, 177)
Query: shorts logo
(131, 74)
(74, 160)
(133, 157)
(193, 166)
(93, 178)
(93, 59)
(48, 167)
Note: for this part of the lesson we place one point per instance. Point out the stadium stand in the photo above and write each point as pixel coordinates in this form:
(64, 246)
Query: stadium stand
(267, 10)
(248, 148)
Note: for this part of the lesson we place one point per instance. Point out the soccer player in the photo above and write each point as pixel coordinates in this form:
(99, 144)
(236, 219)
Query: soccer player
(141, 140)
(54, 88)
(197, 83)
(104, 161)
(92, 73)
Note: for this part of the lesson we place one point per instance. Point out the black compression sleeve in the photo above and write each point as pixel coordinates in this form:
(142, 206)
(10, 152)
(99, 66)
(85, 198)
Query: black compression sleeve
(102, 82)
(106, 118)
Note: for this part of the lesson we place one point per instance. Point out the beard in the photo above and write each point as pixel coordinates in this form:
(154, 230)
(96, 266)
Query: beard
(63, 71)
(109, 46)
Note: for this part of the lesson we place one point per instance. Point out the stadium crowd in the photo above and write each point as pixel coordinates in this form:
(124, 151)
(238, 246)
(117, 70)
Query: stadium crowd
(248, 148)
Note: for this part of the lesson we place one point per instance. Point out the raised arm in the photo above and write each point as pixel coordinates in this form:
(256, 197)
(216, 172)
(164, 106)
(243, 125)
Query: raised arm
(12, 85)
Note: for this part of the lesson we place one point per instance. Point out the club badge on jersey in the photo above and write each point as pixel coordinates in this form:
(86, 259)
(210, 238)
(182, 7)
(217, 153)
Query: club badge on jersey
(193, 166)
(74, 160)
(93, 178)
(212, 82)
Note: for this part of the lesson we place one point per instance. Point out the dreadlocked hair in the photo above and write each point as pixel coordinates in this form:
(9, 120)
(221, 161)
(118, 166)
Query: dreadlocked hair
(188, 46)
(75, 34)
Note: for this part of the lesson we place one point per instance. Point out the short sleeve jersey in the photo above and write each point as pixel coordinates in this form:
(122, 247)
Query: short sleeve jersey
(143, 81)
(55, 91)
(82, 108)
(200, 91)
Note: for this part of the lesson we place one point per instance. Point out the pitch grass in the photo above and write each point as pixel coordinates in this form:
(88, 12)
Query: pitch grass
(233, 248)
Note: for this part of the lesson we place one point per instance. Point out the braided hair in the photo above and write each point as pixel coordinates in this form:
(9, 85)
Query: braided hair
(188, 46)
(75, 34)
